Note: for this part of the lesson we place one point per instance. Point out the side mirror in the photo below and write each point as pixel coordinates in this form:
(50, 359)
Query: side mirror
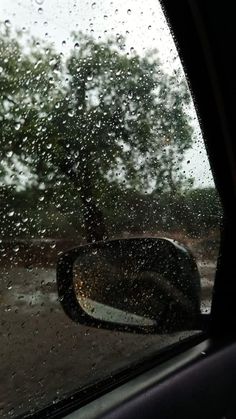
(147, 285)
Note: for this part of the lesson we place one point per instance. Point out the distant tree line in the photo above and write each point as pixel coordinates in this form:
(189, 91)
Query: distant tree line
(23, 214)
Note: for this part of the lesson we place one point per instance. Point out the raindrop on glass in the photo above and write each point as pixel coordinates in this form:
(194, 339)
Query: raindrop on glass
(71, 113)
(7, 23)
(17, 126)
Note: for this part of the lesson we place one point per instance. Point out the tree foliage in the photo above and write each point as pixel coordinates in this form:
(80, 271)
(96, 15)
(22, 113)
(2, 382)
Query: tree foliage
(99, 118)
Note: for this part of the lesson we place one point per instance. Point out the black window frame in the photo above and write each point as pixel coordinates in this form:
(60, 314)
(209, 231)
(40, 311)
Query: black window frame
(204, 32)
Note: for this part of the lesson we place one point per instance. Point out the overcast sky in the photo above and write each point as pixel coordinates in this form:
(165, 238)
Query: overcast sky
(142, 23)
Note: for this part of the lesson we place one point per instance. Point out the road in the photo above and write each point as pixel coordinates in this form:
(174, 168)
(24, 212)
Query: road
(44, 356)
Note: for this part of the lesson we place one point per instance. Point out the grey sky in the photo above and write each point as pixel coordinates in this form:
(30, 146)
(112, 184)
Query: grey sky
(142, 23)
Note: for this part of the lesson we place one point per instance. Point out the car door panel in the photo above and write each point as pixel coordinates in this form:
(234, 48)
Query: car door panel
(201, 387)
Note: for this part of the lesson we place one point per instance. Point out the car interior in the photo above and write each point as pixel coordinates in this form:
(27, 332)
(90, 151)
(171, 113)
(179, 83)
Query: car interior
(193, 377)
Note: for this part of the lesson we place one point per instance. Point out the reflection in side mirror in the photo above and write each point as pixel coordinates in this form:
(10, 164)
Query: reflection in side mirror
(107, 313)
(147, 284)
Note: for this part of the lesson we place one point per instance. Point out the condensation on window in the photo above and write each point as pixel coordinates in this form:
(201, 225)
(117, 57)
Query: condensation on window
(99, 140)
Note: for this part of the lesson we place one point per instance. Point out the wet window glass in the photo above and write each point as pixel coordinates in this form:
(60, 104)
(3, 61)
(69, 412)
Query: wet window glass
(99, 140)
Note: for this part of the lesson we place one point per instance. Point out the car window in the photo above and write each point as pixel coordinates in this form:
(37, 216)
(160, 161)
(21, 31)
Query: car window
(99, 140)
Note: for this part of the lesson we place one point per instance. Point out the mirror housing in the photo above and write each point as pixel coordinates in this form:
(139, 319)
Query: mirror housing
(163, 271)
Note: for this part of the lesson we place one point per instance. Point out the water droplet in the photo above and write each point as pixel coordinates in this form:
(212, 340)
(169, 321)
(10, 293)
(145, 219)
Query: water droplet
(76, 46)
(39, 2)
(129, 11)
(90, 77)
(40, 10)
(8, 308)
(149, 27)
(41, 198)
(11, 213)
(93, 5)
(71, 113)
(130, 94)
(7, 23)
(49, 146)
(17, 126)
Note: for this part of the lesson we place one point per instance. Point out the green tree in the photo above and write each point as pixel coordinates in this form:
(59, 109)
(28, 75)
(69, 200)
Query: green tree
(101, 117)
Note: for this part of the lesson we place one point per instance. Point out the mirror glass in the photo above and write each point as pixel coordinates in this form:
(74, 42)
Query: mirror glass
(132, 282)
(108, 313)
